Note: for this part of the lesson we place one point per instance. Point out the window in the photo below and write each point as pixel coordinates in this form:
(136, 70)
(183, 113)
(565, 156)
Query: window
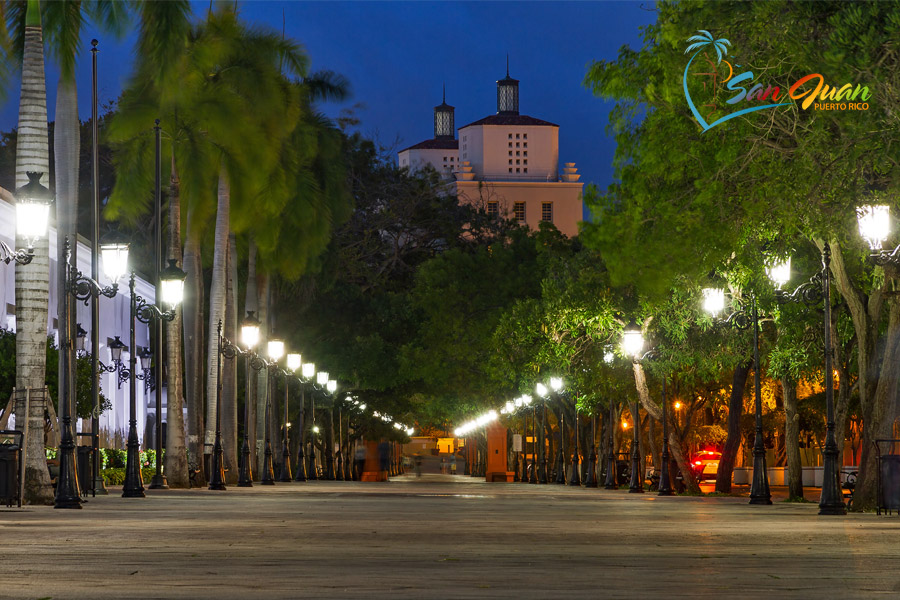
(519, 211)
(510, 161)
(445, 159)
(524, 136)
(524, 144)
(517, 136)
(517, 153)
(547, 212)
(517, 144)
(465, 155)
(524, 152)
(525, 162)
(510, 144)
(510, 169)
(525, 169)
(517, 170)
(509, 136)
(518, 162)
(451, 159)
(465, 138)
(510, 152)
(493, 208)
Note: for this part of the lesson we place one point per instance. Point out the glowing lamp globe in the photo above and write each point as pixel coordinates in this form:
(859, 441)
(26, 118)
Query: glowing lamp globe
(540, 389)
(632, 340)
(171, 284)
(115, 260)
(331, 385)
(293, 361)
(779, 272)
(713, 300)
(322, 377)
(250, 330)
(556, 383)
(33, 202)
(275, 349)
(308, 370)
(874, 224)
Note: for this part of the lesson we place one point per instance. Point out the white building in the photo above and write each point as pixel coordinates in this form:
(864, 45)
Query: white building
(506, 163)
(114, 321)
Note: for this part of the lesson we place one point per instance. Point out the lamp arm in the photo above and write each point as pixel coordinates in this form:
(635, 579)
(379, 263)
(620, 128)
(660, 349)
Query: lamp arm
(883, 258)
(84, 288)
(809, 293)
(21, 256)
(146, 312)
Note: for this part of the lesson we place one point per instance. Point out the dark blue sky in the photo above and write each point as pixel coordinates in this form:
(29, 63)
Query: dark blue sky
(398, 54)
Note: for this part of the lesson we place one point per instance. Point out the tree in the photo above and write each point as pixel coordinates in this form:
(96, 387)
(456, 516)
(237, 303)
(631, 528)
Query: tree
(33, 280)
(717, 197)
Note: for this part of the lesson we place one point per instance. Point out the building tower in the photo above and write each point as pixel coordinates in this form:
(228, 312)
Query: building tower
(444, 125)
(507, 94)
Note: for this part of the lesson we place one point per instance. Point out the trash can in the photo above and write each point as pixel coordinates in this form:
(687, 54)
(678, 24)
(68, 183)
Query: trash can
(888, 478)
(11, 468)
(84, 465)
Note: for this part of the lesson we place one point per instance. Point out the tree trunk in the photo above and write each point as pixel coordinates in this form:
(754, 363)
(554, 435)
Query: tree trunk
(176, 452)
(193, 343)
(229, 369)
(733, 440)
(792, 438)
(33, 280)
(640, 381)
(217, 295)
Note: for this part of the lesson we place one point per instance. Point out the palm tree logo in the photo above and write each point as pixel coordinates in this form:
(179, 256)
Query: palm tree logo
(698, 43)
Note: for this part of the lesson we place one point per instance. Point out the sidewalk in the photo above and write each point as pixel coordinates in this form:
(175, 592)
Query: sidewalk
(441, 536)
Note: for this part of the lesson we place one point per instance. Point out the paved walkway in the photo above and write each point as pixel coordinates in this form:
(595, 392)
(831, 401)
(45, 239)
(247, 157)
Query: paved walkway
(441, 537)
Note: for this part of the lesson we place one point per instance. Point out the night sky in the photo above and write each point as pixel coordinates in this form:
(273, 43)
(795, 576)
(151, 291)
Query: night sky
(397, 55)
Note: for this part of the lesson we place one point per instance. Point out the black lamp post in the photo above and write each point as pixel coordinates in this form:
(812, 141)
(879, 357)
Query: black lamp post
(276, 351)
(217, 468)
(532, 478)
(313, 468)
(307, 372)
(294, 361)
(612, 479)
(561, 451)
(171, 293)
(633, 343)
(590, 479)
(252, 363)
(665, 486)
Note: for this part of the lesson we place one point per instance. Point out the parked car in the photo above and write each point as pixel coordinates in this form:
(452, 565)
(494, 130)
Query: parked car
(705, 464)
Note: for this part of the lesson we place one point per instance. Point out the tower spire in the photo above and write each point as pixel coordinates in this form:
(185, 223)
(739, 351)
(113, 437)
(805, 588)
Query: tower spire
(507, 94)
(507, 64)
(444, 90)
(444, 126)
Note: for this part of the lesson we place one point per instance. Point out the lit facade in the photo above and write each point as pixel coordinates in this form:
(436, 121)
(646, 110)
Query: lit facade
(506, 164)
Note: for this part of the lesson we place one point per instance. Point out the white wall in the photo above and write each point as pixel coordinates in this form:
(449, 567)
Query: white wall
(488, 148)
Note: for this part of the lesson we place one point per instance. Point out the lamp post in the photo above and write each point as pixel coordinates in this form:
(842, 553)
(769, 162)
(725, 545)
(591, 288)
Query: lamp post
(249, 338)
(313, 467)
(633, 344)
(590, 479)
(665, 486)
(331, 386)
(294, 361)
(217, 468)
(33, 202)
(810, 293)
(275, 350)
(532, 477)
(307, 372)
(171, 293)
(612, 476)
(83, 289)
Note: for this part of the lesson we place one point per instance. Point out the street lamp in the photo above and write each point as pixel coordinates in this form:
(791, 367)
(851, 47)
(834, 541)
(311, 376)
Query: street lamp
(307, 371)
(612, 480)
(145, 312)
(33, 202)
(217, 467)
(633, 345)
(739, 319)
(249, 338)
(275, 349)
(542, 391)
(293, 363)
(330, 458)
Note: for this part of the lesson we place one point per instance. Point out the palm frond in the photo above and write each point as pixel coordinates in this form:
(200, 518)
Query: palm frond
(694, 46)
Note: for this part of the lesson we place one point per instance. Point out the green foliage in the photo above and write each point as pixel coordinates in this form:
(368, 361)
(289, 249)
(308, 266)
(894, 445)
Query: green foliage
(116, 476)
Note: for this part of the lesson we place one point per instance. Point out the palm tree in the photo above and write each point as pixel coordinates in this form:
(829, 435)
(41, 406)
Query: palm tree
(225, 73)
(33, 280)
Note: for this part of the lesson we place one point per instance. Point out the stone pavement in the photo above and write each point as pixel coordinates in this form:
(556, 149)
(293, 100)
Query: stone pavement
(441, 537)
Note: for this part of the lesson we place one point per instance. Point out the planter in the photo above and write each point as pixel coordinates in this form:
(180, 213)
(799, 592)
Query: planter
(741, 475)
